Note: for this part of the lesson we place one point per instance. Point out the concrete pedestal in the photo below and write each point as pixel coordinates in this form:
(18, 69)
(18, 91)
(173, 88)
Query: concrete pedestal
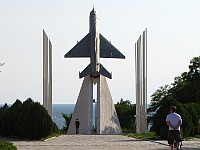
(83, 109)
(107, 119)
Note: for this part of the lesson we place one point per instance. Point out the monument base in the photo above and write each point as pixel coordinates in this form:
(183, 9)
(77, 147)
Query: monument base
(106, 117)
(83, 109)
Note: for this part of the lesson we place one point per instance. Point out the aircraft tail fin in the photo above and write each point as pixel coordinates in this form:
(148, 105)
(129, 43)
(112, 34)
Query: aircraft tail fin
(86, 71)
(104, 72)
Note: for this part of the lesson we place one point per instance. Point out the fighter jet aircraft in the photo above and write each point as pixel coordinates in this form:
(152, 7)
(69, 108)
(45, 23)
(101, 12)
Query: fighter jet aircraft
(94, 45)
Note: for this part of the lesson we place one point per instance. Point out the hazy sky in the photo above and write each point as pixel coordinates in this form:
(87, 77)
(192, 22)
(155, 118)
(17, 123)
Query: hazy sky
(173, 40)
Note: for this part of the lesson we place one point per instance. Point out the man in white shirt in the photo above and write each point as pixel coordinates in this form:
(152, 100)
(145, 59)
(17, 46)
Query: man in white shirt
(174, 122)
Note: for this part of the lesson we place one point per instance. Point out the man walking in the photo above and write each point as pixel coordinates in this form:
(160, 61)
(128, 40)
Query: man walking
(174, 122)
(77, 124)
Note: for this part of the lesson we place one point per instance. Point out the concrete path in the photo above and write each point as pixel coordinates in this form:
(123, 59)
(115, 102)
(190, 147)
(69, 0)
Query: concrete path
(98, 142)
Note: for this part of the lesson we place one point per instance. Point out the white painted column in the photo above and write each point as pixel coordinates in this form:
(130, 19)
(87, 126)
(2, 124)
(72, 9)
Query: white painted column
(47, 74)
(45, 69)
(50, 81)
(141, 83)
(144, 43)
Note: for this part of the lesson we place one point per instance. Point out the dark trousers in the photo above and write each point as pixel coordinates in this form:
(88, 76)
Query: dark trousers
(173, 135)
(77, 130)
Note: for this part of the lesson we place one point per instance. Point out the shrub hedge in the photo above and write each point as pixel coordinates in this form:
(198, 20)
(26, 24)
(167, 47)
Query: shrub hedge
(28, 120)
(190, 114)
(7, 146)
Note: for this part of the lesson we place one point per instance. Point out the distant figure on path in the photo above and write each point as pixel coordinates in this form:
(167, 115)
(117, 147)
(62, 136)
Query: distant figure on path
(77, 124)
(174, 122)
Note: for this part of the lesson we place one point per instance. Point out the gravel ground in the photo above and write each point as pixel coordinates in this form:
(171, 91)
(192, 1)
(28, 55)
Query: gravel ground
(98, 142)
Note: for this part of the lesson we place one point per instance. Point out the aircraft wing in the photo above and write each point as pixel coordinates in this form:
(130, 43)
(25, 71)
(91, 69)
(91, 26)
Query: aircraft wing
(81, 49)
(107, 50)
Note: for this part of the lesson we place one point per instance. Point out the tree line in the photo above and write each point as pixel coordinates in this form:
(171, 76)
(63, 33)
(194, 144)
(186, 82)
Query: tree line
(184, 93)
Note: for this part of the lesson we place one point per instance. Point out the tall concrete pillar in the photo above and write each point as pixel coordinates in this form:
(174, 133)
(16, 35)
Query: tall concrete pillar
(45, 69)
(107, 120)
(50, 81)
(144, 111)
(47, 74)
(141, 82)
(83, 109)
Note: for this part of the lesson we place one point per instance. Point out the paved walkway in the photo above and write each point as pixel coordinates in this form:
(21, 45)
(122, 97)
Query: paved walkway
(98, 142)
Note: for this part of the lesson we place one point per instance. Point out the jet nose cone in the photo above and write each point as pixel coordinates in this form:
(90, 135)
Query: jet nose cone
(93, 12)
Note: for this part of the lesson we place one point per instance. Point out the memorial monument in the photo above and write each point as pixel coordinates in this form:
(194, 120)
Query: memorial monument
(95, 46)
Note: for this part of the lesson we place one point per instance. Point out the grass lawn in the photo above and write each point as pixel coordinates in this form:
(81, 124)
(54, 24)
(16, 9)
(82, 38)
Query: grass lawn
(51, 136)
(153, 136)
(144, 136)
(7, 146)
(189, 138)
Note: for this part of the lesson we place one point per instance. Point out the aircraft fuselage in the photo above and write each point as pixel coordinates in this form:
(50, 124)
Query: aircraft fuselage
(94, 43)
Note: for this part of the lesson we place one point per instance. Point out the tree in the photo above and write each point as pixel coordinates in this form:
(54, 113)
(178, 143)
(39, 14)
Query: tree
(26, 120)
(126, 112)
(184, 93)
(67, 118)
(34, 121)
(157, 97)
(13, 114)
(159, 118)
(3, 119)
(186, 88)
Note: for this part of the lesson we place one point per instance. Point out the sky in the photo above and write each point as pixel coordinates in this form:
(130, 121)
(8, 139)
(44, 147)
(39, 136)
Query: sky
(173, 39)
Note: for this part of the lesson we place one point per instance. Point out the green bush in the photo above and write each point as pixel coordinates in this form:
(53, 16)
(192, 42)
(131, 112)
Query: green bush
(28, 120)
(184, 93)
(163, 133)
(194, 109)
(126, 112)
(189, 122)
(186, 121)
(7, 146)
(159, 119)
(67, 118)
(34, 121)
(55, 128)
(12, 118)
(3, 119)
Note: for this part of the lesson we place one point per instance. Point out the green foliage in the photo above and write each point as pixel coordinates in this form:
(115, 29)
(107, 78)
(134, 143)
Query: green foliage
(126, 112)
(55, 129)
(3, 118)
(186, 88)
(7, 146)
(13, 114)
(161, 114)
(192, 115)
(144, 136)
(67, 118)
(163, 133)
(184, 93)
(28, 120)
